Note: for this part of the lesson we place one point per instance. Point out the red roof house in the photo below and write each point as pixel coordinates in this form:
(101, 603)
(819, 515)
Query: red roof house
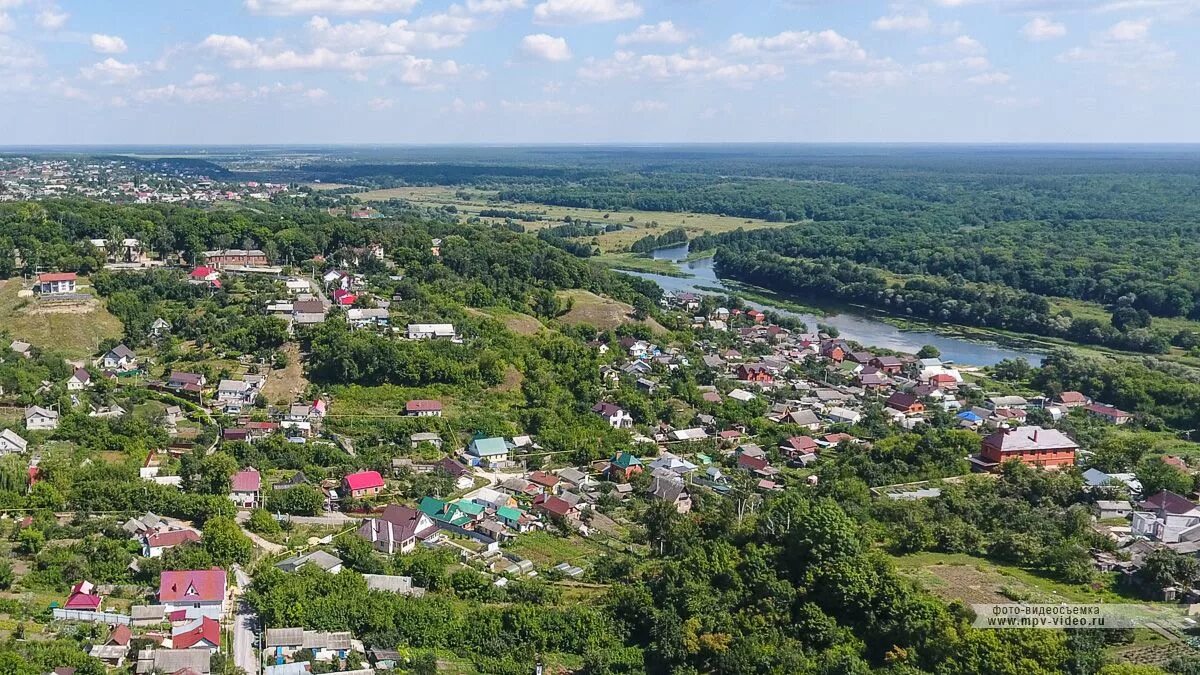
(423, 408)
(191, 588)
(84, 597)
(343, 297)
(364, 484)
(203, 634)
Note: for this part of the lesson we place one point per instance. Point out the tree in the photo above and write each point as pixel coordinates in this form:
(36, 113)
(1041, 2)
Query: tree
(226, 543)
(6, 575)
(261, 522)
(1156, 475)
(929, 352)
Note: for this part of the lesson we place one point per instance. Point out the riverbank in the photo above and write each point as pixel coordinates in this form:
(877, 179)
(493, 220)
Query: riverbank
(633, 263)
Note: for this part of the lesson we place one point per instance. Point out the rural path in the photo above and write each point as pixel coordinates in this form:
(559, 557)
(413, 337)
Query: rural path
(245, 653)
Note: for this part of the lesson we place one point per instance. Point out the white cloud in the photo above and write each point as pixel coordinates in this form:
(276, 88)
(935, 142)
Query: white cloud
(648, 106)
(878, 75)
(494, 6)
(242, 53)
(544, 47)
(425, 73)
(202, 79)
(1040, 28)
(990, 78)
(6, 22)
(663, 32)
(108, 44)
(110, 71)
(378, 104)
(460, 106)
(803, 46)
(398, 37)
(693, 64)
(52, 18)
(316, 94)
(585, 11)
(907, 22)
(1129, 30)
(292, 7)
(545, 107)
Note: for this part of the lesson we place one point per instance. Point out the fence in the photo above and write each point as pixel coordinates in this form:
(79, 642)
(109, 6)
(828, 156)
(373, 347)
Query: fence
(91, 617)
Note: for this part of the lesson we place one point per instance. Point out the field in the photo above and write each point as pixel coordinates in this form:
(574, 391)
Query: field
(284, 386)
(976, 580)
(75, 333)
(547, 550)
(521, 324)
(600, 312)
(637, 224)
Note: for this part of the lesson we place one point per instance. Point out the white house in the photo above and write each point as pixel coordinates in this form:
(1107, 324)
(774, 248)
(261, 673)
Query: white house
(55, 283)
(119, 358)
(236, 393)
(80, 379)
(428, 331)
(38, 418)
(10, 442)
(616, 417)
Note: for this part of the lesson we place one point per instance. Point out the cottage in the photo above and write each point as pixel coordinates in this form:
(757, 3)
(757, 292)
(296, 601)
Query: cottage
(555, 507)
(1107, 413)
(839, 415)
(155, 543)
(371, 317)
(326, 562)
(119, 358)
(201, 633)
(1106, 509)
(189, 382)
(1007, 402)
(614, 415)
(246, 487)
(11, 442)
(1049, 448)
(1071, 399)
(55, 283)
(891, 365)
(623, 466)
(20, 348)
(431, 331)
(397, 529)
(198, 592)
(80, 379)
(85, 597)
(672, 491)
(423, 408)
(160, 327)
(363, 485)
(906, 403)
(236, 257)
(488, 451)
(205, 275)
(38, 418)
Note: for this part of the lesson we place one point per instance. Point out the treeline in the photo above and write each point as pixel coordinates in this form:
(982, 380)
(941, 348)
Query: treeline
(651, 242)
(340, 356)
(511, 215)
(925, 298)
(1149, 262)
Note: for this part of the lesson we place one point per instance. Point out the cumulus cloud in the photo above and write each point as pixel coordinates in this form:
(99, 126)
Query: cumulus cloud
(494, 6)
(110, 71)
(1127, 51)
(108, 44)
(242, 53)
(1129, 30)
(663, 32)
(52, 18)
(543, 47)
(559, 12)
(904, 21)
(692, 64)
(802, 46)
(1040, 28)
(293, 7)
(398, 37)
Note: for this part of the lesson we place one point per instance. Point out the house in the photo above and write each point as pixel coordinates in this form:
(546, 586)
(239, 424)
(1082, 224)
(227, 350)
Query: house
(672, 491)
(309, 312)
(489, 451)
(907, 403)
(11, 442)
(421, 437)
(802, 418)
(1106, 509)
(1007, 402)
(742, 395)
(688, 435)
(555, 507)
(236, 393)
(798, 446)
(891, 365)
(1032, 445)
(55, 283)
(462, 474)
(363, 484)
(675, 464)
(839, 415)
(160, 327)
(235, 257)
(546, 481)
(575, 477)
(154, 543)
(201, 633)
(205, 275)
(326, 562)
(431, 331)
(614, 415)
(246, 487)
(623, 466)
(38, 418)
(1071, 399)
(173, 661)
(190, 382)
(23, 349)
(80, 379)
(1107, 413)
(119, 358)
(368, 317)
(397, 529)
(343, 298)
(283, 643)
(1167, 517)
(85, 597)
(755, 374)
(423, 408)
(202, 591)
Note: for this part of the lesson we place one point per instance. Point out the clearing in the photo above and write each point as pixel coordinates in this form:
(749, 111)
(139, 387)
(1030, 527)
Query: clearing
(521, 324)
(547, 550)
(601, 312)
(637, 224)
(285, 385)
(72, 330)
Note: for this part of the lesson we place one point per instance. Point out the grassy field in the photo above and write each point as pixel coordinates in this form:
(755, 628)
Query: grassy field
(547, 550)
(635, 263)
(521, 324)
(637, 224)
(970, 579)
(600, 312)
(74, 332)
(285, 385)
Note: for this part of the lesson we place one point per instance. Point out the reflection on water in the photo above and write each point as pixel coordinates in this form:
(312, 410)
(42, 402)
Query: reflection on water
(853, 325)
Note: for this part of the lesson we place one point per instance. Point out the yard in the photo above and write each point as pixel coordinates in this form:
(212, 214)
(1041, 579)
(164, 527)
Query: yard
(547, 550)
(75, 331)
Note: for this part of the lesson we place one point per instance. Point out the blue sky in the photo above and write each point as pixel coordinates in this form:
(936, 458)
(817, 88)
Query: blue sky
(595, 71)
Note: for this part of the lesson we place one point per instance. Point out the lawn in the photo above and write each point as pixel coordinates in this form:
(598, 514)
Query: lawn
(74, 331)
(637, 224)
(547, 550)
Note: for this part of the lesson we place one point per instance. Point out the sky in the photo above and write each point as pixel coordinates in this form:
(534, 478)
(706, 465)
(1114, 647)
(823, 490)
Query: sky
(598, 71)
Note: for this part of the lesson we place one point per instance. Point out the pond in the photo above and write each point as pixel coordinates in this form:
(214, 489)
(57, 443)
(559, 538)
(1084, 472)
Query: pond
(853, 323)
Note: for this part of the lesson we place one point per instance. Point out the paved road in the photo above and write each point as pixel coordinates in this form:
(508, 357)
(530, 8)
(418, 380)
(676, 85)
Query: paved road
(245, 652)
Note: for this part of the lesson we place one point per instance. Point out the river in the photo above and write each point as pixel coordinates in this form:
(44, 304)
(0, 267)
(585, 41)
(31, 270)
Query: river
(858, 326)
